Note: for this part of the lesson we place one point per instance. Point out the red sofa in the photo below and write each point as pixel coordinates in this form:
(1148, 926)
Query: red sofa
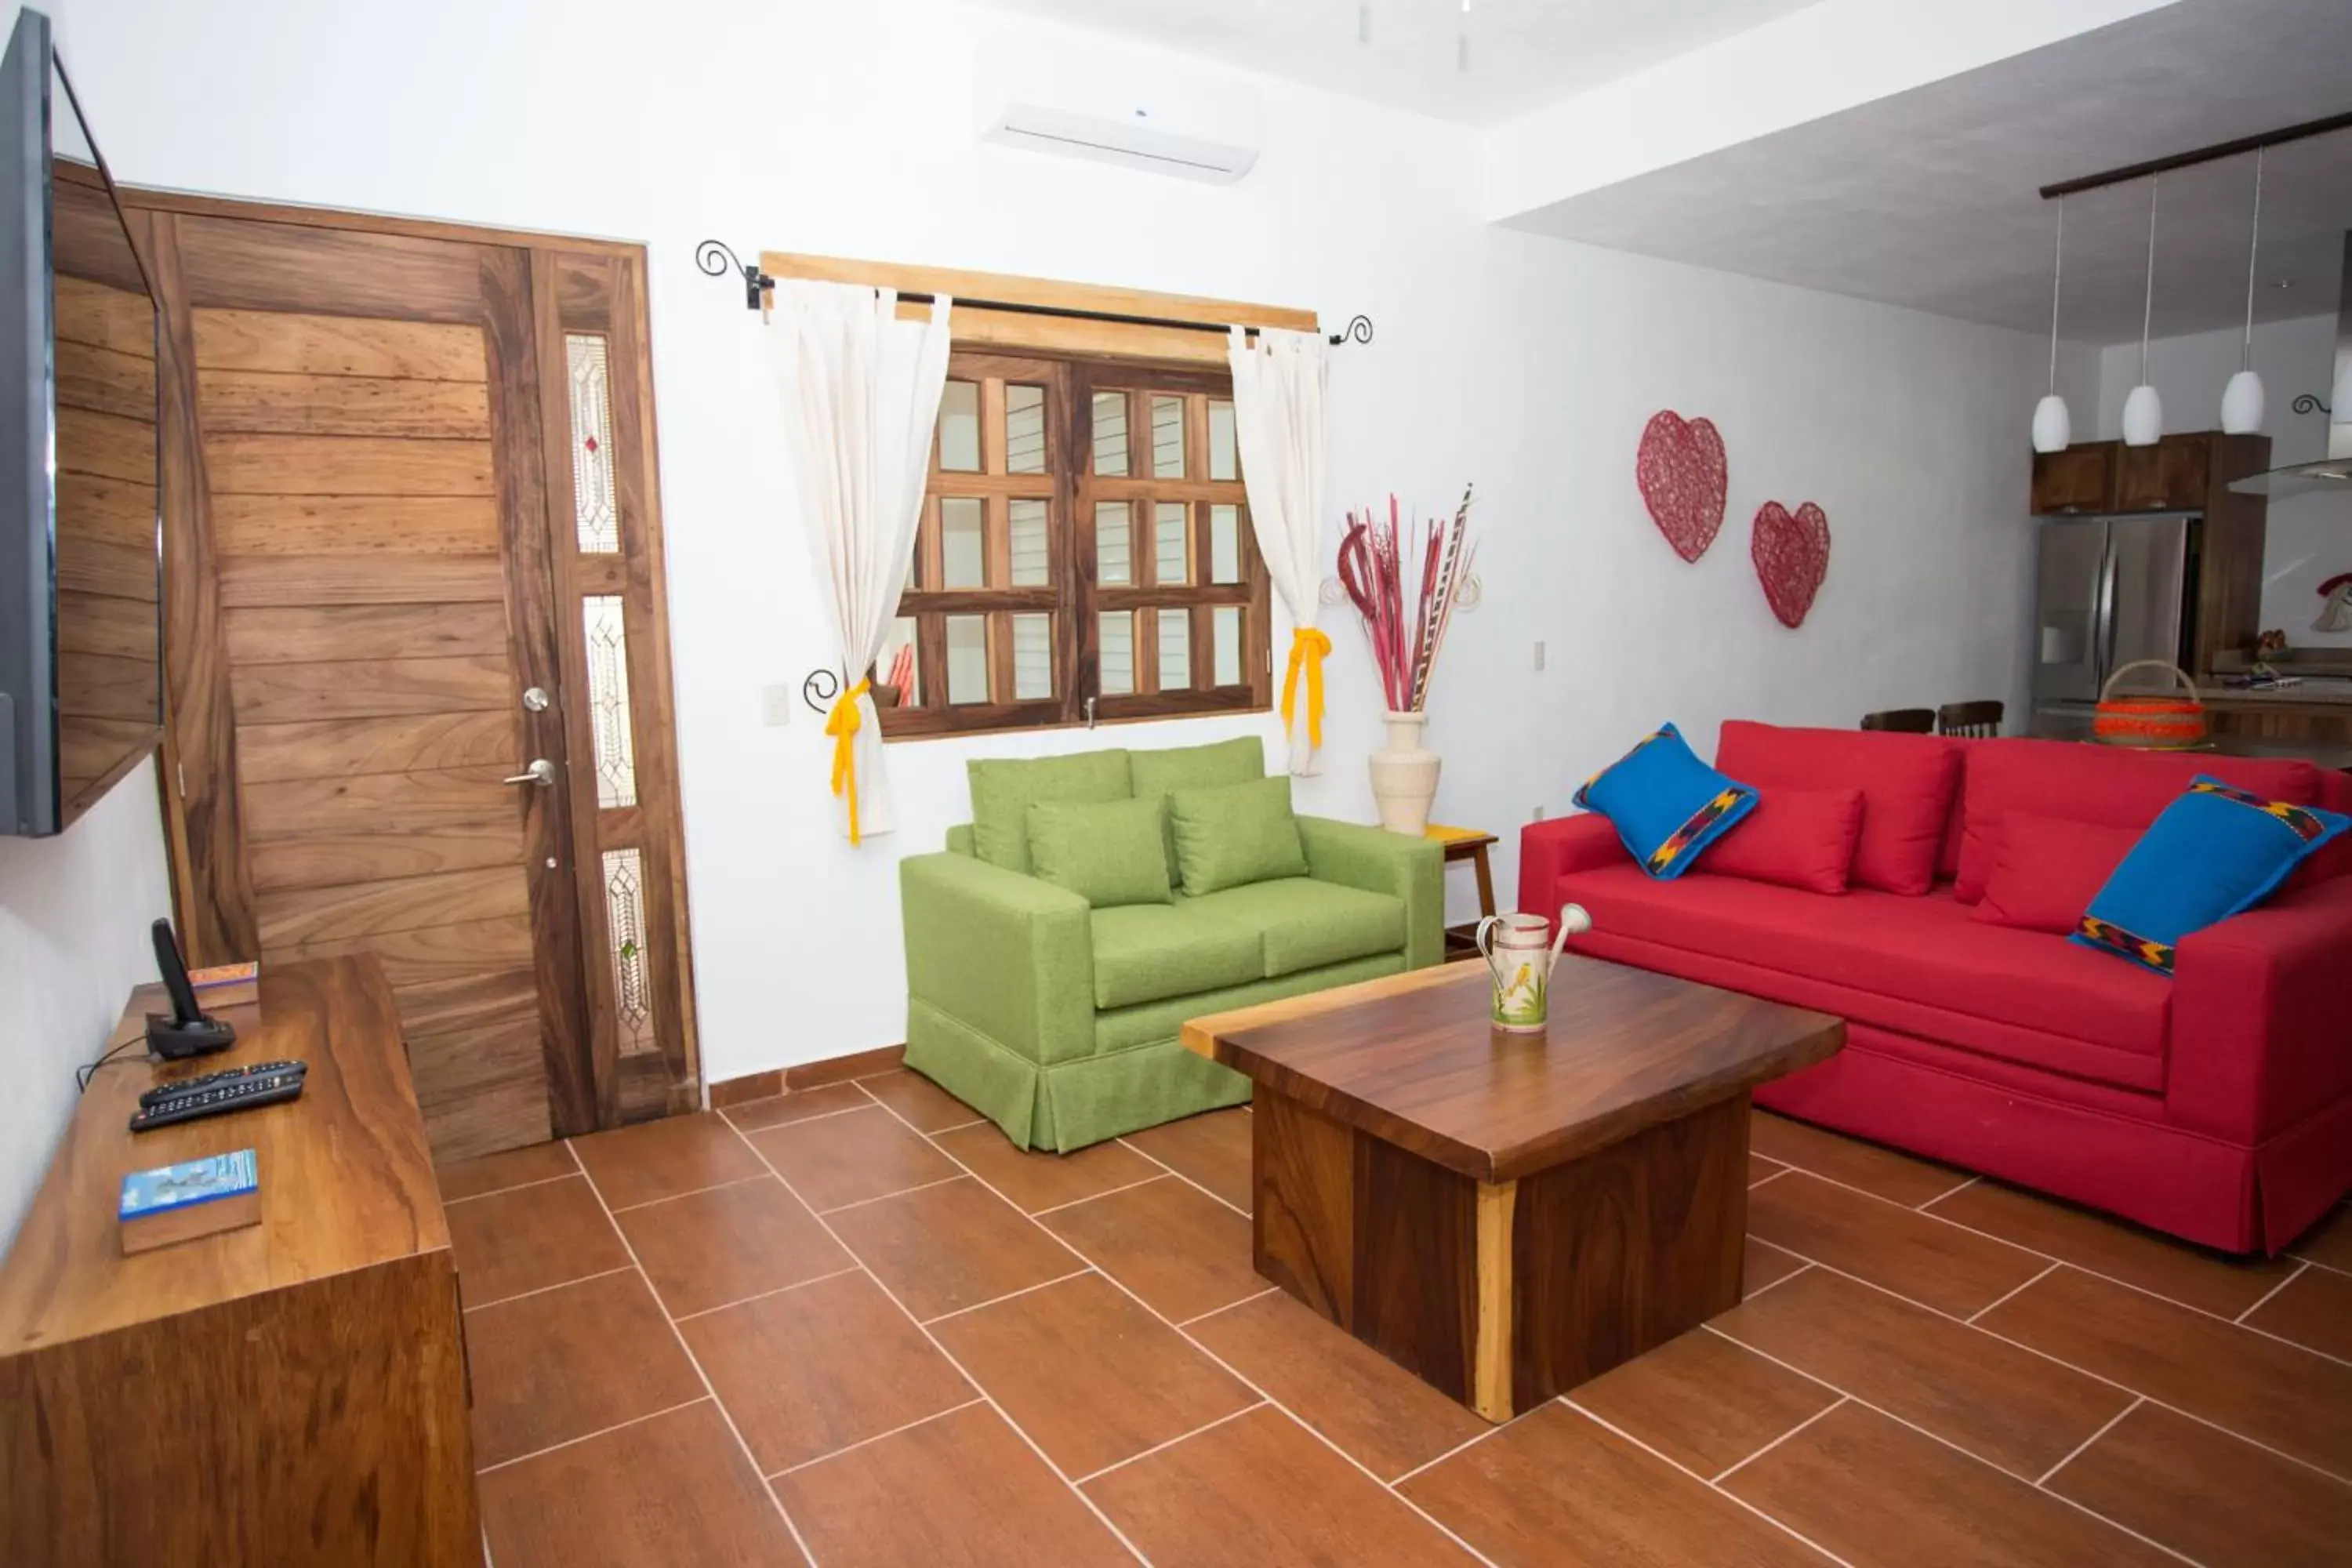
(2216, 1105)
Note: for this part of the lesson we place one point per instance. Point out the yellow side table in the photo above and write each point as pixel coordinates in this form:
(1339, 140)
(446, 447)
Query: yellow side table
(1467, 844)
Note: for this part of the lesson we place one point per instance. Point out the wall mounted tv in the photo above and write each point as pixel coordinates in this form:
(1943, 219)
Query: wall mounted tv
(80, 633)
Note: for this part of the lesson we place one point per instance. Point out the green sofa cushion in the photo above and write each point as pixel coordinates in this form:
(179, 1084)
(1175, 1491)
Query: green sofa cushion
(1304, 924)
(1122, 1029)
(1003, 789)
(1159, 772)
(1145, 953)
(1228, 836)
(1108, 852)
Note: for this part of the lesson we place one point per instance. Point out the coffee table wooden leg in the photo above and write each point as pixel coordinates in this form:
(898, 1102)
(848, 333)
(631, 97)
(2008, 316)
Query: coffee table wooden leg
(1490, 1393)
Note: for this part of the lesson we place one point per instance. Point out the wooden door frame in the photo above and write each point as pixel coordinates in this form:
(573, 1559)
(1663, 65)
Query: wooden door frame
(516, 306)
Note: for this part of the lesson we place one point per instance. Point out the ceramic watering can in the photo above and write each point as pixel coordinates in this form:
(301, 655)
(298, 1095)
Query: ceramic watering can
(1513, 947)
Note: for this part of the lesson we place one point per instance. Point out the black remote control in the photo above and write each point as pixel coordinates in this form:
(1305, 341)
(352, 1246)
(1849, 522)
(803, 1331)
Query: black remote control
(244, 1094)
(163, 1091)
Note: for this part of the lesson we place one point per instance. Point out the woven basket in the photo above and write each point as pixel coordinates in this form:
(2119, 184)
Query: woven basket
(2164, 724)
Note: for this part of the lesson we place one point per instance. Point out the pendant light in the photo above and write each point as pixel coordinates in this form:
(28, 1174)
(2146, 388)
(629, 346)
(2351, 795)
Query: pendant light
(2052, 428)
(2143, 410)
(2242, 400)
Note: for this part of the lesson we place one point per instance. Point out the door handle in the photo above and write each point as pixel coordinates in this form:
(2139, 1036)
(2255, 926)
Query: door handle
(540, 772)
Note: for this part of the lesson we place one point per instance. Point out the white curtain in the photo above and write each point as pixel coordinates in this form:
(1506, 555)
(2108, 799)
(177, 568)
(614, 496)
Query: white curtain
(1278, 385)
(861, 395)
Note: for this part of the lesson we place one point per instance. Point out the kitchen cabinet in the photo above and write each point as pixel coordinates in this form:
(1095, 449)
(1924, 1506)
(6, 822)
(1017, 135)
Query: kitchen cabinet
(2080, 479)
(2168, 476)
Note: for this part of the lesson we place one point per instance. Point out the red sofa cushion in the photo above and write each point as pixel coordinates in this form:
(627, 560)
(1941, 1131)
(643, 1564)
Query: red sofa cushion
(2109, 786)
(2046, 870)
(1796, 838)
(2021, 996)
(1908, 784)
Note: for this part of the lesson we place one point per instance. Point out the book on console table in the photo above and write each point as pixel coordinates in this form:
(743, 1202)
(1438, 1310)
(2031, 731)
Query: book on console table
(193, 1198)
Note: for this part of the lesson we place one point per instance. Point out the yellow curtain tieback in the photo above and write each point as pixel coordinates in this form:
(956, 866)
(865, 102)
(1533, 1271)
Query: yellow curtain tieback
(843, 724)
(1308, 646)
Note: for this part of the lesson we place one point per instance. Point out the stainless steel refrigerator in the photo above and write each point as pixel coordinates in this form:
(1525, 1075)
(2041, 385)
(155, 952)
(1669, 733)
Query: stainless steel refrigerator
(2110, 591)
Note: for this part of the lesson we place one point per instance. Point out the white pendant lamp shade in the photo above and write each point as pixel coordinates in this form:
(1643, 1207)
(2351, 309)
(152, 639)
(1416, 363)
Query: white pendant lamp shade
(2241, 404)
(2143, 416)
(2052, 430)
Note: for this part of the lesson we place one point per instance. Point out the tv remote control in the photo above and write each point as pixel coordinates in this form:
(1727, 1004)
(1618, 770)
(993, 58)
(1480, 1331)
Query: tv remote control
(242, 1094)
(163, 1091)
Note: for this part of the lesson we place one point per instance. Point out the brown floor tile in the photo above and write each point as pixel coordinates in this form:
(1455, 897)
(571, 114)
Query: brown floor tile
(2225, 1503)
(1387, 1418)
(1212, 1149)
(2329, 1242)
(920, 1103)
(1703, 1401)
(672, 1489)
(662, 1159)
(1936, 1264)
(511, 1168)
(1034, 1179)
(1171, 1243)
(567, 1362)
(2313, 1310)
(1089, 1375)
(849, 1158)
(945, 1247)
(1555, 1488)
(819, 1368)
(1764, 1264)
(1902, 1178)
(825, 1100)
(2002, 1404)
(527, 1239)
(2208, 1280)
(1759, 1168)
(1874, 1492)
(1261, 1489)
(2275, 1393)
(963, 1490)
(711, 1248)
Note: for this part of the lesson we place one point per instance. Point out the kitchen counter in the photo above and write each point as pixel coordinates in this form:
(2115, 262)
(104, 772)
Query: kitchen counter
(2327, 753)
(2332, 690)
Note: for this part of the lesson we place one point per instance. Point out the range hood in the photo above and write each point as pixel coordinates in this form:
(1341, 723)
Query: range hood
(2332, 473)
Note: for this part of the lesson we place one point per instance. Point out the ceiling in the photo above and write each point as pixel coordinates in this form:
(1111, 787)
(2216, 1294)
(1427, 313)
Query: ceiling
(1927, 199)
(1523, 53)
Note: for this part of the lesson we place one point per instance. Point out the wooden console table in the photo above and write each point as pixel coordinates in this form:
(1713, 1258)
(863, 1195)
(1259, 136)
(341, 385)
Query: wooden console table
(291, 1391)
(1469, 844)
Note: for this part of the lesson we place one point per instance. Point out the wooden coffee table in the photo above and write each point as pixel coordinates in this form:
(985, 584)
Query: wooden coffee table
(1508, 1215)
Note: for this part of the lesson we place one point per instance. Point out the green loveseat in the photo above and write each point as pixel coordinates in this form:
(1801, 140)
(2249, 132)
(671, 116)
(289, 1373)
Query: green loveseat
(1059, 1020)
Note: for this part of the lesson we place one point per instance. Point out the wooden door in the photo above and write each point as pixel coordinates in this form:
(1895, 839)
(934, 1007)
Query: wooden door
(374, 636)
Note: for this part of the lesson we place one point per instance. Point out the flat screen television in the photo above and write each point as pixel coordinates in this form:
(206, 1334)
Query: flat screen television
(80, 541)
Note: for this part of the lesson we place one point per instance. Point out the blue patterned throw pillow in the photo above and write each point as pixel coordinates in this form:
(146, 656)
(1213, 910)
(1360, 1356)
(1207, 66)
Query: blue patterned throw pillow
(1667, 805)
(2214, 852)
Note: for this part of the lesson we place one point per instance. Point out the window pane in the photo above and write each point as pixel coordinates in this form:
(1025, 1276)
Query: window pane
(1175, 650)
(1032, 561)
(963, 550)
(898, 665)
(1168, 437)
(594, 511)
(1171, 543)
(1226, 624)
(1110, 432)
(1113, 543)
(1223, 463)
(1117, 653)
(966, 658)
(1033, 657)
(608, 700)
(624, 927)
(1024, 429)
(960, 427)
(1224, 545)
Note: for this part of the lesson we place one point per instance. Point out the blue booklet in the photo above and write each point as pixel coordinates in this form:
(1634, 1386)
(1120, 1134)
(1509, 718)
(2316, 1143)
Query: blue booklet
(187, 1183)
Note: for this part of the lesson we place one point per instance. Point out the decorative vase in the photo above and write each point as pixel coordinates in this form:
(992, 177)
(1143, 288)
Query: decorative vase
(1404, 775)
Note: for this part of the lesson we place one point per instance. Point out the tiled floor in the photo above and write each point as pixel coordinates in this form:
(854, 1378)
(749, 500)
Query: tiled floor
(854, 1326)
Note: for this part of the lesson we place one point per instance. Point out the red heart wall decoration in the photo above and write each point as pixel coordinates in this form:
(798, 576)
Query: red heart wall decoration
(1683, 475)
(1792, 556)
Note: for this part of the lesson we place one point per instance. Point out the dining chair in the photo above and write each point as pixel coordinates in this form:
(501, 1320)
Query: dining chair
(1909, 720)
(1973, 720)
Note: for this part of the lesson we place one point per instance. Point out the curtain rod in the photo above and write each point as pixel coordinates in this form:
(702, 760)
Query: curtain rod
(2212, 154)
(717, 261)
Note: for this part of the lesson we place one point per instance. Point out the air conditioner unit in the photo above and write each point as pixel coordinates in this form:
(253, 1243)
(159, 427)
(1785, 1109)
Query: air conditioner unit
(1051, 94)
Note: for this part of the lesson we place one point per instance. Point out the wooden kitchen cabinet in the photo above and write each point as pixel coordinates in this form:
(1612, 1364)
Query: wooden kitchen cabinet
(2080, 479)
(2171, 476)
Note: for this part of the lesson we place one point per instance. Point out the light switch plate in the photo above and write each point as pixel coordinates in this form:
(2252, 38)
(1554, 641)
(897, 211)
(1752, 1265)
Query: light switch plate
(775, 706)
(1539, 656)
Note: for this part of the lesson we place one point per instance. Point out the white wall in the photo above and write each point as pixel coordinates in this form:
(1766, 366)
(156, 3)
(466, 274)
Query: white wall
(74, 912)
(1522, 362)
(2310, 537)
